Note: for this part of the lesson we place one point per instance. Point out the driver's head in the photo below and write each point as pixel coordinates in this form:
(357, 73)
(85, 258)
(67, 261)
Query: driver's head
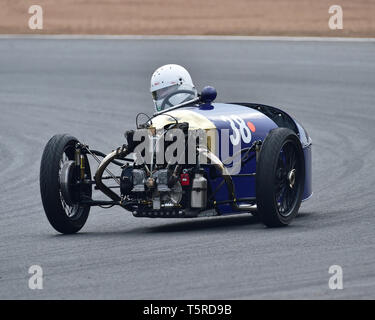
(171, 85)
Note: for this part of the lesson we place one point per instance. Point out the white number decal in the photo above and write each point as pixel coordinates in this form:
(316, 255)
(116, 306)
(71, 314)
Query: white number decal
(235, 137)
(242, 132)
(245, 131)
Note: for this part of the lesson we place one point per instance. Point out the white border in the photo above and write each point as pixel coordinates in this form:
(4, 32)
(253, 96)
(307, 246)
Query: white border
(180, 37)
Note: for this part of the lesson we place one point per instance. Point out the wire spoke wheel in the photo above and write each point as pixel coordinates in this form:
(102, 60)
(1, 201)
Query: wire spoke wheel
(286, 179)
(61, 193)
(280, 177)
(72, 211)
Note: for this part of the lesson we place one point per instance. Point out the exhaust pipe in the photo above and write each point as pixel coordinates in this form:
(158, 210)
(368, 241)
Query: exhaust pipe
(228, 180)
(103, 166)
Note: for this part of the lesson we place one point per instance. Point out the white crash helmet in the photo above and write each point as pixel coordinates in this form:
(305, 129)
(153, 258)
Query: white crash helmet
(166, 83)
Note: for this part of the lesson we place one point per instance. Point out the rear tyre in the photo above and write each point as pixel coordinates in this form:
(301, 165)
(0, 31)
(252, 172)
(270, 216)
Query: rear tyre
(280, 178)
(65, 216)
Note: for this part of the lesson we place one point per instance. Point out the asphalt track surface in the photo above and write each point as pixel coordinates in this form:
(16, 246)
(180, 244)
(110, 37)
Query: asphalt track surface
(93, 90)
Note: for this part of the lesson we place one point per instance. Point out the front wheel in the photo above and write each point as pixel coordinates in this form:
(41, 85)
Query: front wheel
(280, 178)
(59, 191)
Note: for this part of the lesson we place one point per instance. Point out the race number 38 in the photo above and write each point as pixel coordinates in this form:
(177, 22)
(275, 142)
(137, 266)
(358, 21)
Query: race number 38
(239, 128)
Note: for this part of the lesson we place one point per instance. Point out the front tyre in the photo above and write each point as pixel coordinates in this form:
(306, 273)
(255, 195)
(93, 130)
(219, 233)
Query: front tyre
(280, 177)
(65, 216)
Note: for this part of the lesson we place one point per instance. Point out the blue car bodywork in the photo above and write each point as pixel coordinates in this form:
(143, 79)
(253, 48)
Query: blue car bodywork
(263, 119)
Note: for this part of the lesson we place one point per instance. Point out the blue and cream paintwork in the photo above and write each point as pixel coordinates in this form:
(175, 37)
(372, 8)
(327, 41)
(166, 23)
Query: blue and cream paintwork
(219, 116)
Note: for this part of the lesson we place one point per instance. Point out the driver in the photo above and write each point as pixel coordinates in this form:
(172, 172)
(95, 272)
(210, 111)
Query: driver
(171, 85)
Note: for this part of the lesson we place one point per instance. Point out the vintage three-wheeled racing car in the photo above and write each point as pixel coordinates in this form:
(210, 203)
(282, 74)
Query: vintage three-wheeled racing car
(271, 149)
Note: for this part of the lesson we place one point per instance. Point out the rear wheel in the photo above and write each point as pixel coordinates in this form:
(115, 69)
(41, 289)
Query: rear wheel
(59, 190)
(280, 178)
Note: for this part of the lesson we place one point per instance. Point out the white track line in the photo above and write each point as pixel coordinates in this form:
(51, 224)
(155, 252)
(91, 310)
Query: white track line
(177, 37)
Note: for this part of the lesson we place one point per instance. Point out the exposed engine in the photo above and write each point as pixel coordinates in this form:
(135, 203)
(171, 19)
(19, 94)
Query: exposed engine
(163, 189)
(162, 192)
